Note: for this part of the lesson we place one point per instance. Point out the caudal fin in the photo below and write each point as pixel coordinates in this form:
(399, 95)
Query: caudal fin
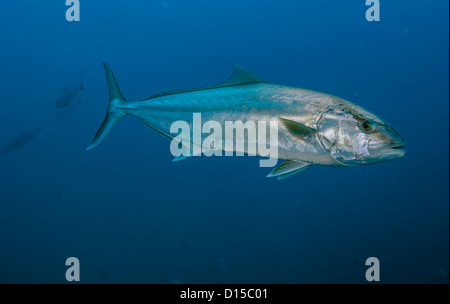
(114, 112)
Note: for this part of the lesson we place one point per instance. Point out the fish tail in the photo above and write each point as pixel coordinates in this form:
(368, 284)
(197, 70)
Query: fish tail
(115, 111)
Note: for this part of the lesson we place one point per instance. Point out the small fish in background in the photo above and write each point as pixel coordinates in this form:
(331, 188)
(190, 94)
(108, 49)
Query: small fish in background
(68, 95)
(20, 141)
(65, 112)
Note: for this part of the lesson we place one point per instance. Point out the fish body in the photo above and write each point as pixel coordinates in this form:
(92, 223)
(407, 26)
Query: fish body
(65, 112)
(19, 142)
(313, 128)
(67, 95)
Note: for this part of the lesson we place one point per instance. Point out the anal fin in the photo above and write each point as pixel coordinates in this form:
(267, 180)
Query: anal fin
(181, 157)
(288, 169)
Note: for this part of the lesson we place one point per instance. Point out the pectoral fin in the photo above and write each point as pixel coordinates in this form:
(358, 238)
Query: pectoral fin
(288, 169)
(297, 129)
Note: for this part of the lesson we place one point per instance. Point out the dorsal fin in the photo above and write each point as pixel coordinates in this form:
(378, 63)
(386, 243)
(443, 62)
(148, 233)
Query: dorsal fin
(240, 76)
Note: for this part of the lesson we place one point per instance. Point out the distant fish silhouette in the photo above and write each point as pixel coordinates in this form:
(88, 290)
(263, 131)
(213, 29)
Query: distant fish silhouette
(19, 142)
(65, 112)
(67, 95)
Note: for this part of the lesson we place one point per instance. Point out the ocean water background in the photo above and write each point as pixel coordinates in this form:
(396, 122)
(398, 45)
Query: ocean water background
(130, 215)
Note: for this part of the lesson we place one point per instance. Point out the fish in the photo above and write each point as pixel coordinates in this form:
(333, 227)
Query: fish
(20, 141)
(65, 112)
(314, 128)
(58, 193)
(67, 95)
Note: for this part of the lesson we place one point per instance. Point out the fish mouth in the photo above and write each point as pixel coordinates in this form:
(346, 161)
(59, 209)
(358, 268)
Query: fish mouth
(398, 147)
(391, 151)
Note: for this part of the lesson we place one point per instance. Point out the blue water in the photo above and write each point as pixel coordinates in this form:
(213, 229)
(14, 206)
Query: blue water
(130, 215)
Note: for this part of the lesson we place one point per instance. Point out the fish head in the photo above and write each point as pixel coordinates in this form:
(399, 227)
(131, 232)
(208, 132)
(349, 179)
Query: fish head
(354, 136)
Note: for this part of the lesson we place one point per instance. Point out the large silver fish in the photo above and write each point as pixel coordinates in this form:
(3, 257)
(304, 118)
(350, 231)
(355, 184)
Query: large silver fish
(314, 128)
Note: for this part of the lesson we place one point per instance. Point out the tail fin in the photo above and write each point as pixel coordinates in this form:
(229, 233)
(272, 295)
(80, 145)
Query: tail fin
(114, 113)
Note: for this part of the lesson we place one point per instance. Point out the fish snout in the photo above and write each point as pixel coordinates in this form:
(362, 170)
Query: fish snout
(392, 146)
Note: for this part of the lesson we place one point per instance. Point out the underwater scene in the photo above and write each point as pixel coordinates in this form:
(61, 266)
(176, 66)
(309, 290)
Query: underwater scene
(224, 142)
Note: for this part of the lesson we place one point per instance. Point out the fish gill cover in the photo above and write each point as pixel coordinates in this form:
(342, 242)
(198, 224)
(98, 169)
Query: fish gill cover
(129, 214)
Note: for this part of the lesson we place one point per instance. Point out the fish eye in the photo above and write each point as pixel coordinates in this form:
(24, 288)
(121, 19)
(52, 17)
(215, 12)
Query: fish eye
(367, 127)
